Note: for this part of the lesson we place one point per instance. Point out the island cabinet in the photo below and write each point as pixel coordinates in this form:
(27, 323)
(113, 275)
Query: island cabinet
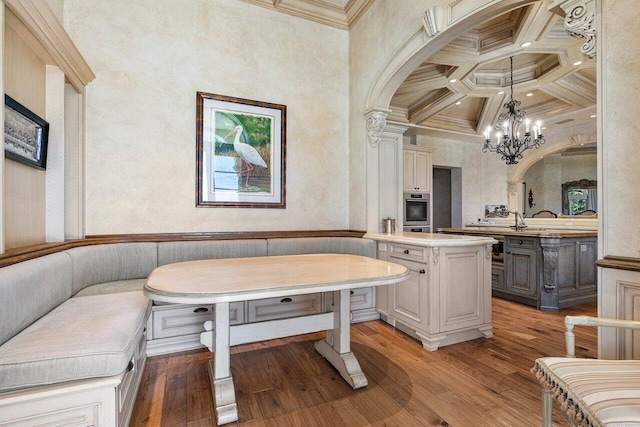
(547, 269)
(568, 276)
(447, 298)
(521, 269)
(549, 273)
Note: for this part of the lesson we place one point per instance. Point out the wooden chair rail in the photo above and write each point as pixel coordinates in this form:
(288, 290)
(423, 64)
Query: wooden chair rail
(620, 263)
(13, 256)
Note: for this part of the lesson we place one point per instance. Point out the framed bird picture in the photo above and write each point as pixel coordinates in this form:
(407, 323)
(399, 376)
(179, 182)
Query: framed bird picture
(240, 149)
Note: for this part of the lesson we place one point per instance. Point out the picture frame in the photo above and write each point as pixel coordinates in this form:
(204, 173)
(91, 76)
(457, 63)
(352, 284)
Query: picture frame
(26, 135)
(240, 152)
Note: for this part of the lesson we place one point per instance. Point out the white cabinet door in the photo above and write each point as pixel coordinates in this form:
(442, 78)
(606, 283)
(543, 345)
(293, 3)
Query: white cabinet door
(423, 172)
(461, 288)
(416, 171)
(408, 300)
(409, 171)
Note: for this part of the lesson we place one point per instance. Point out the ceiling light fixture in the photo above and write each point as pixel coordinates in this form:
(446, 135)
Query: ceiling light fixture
(452, 81)
(501, 92)
(526, 44)
(508, 142)
(458, 103)
(593, 116)
(529, 94)
(577, 63)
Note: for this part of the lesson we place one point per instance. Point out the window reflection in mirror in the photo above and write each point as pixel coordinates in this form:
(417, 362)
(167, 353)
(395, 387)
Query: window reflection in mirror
(577, 201)
(580, 197)
(551, 179)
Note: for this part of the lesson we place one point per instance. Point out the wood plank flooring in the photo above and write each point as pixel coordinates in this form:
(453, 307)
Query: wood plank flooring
(285, 382)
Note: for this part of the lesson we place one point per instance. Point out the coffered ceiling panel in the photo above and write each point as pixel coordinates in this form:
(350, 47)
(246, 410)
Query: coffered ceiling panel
(462, 88)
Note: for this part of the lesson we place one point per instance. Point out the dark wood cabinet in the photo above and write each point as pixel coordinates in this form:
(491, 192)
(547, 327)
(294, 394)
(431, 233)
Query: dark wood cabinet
(568, 276)
(497, 277)
(521, 270)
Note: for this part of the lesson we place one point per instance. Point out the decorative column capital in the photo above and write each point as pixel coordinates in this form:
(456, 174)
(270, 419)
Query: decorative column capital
(579, 21)
(376, 121)
(432, 21)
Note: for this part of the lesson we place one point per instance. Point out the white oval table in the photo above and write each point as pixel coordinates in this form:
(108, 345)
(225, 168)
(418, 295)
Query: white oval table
(222, 281)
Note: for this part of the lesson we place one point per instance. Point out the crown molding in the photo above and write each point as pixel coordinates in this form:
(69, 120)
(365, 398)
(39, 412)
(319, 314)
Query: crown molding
(37, 24)
(355, 9)
(319, 11)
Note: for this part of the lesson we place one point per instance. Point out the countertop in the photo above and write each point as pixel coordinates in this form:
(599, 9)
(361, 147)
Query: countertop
(431, 239)
(527, 232)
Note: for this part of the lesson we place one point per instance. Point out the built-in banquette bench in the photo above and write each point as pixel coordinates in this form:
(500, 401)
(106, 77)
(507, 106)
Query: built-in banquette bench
(75, 328)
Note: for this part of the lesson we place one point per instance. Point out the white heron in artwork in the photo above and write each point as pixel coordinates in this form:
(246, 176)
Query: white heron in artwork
(247, 153)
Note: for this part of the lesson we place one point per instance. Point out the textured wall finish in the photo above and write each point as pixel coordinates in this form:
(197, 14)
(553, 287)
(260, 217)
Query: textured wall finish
(24, 187)
(620, 127)
(151, 57)
(483, 177)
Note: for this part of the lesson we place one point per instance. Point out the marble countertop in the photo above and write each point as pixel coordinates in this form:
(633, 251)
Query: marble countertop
(527, 232)
(430, 239)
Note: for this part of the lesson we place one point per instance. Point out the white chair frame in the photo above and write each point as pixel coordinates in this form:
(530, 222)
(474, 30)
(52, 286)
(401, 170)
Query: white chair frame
(570, 340)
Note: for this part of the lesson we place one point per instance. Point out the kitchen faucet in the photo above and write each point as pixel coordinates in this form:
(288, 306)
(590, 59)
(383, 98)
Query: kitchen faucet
(517, 226)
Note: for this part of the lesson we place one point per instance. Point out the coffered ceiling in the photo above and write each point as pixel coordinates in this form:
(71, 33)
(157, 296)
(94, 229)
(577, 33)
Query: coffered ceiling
(462, 88)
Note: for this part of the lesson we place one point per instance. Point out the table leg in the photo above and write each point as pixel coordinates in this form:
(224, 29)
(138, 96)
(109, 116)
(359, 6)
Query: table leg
(336, 346)
(224, 396)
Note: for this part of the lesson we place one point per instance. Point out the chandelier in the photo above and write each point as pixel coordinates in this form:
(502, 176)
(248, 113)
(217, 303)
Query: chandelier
(508, 142)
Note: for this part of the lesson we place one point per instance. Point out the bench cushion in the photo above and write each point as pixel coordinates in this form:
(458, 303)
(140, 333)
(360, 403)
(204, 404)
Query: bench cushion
(318, 245)
(108, 263)
(593, 392)
(29, 290)
(113, 287)
(171, 252)
(93, 336)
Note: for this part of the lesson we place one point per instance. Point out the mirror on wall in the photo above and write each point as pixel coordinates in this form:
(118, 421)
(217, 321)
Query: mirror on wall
(580, 197)
(563, 184)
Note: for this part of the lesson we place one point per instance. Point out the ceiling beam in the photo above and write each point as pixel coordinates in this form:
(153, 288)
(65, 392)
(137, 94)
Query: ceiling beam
(429, 108)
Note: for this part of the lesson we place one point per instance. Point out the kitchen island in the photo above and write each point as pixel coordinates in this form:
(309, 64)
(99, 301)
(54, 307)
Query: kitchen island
(546, 268)
(447, 298)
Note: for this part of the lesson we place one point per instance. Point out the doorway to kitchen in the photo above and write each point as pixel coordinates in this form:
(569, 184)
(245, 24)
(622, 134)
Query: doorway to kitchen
(447, 197)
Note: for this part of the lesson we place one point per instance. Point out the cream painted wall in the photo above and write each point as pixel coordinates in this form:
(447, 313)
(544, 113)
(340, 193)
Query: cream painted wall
(620, 127)
(483, 176)
(24, 186)
(151, 57)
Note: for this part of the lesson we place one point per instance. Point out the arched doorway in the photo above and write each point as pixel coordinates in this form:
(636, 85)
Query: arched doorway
(415, 54)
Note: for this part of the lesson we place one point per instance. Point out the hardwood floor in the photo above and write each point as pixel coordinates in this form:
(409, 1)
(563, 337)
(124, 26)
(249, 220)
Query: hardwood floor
(484, 382)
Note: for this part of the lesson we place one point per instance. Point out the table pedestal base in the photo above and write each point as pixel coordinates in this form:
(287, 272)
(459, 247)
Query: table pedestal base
(335, 347)
(224, 397)
(226, 280)
(346, 364)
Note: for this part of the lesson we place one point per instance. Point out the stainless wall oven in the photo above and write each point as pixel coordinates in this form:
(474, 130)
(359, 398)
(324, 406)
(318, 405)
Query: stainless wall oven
(416, 211)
